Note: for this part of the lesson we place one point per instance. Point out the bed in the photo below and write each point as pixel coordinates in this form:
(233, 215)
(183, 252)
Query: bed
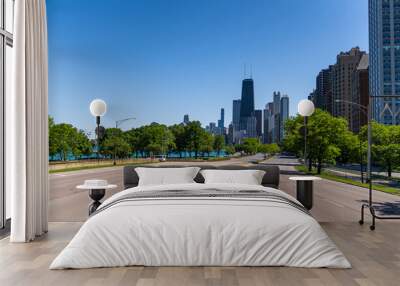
(198, 224)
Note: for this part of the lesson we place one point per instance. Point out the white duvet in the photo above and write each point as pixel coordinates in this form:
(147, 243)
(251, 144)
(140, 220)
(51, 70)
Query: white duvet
(199, 231)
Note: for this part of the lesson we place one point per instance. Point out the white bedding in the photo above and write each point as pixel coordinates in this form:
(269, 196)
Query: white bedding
(200, 231)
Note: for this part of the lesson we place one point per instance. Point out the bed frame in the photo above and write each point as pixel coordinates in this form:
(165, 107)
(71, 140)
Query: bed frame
(270, 179)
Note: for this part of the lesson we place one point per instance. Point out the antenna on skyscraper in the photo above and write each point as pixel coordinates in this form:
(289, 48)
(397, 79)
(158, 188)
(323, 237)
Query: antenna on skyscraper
(244, 70)
(251, 71)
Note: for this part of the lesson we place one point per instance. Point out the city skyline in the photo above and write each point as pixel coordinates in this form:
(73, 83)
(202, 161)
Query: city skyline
(200, 66)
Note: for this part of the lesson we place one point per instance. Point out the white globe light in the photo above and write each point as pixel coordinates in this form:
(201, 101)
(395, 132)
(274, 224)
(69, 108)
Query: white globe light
(98, 107)
(305, 107)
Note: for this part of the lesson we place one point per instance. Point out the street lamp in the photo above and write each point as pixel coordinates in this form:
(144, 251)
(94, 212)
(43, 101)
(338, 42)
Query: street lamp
(305, 108)
(98, 108)
(118, 123)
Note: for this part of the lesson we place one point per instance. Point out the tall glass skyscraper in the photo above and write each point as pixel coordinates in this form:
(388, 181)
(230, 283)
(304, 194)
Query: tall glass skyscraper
(247, 102)
(221, 121)
(236, 113)
(275, 115)
(284, 116)
(384, 61)
(258, 116)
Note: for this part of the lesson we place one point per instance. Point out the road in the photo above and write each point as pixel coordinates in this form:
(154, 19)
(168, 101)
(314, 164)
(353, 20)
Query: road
(70, 204)
(333, 201)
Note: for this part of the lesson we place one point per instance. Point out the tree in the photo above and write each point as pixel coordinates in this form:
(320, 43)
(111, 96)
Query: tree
(133, 138)
(151, 139)
(50, 122)
(194, 134)
(65, 139)
(251, 145)
(219, 142)
(83, 146)
(159, 139)
(52, 141)
(270, 149)
(178, 130)
(325, 135)
(114, 144)
(385, 145)
(349, 145)
(229, 149)
(206, 144)
(238, 148)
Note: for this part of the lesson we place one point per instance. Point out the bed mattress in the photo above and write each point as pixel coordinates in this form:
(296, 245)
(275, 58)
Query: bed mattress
(201, 225)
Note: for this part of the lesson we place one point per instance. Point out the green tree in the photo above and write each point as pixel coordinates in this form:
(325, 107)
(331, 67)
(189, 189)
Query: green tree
(270, 149)
(219, 143)
(50, 121)
(52, 141)
(238, 148)
(206, 144)
(250, 145)
(116, 147)
(178, 130)
(151, 139)
(115, 144)
(133, 138)
(65, 139)
(229, 149)
(194, 135)
(349, 145)
(82, 145)
(385, 145)
(159, 139)
(325, 135)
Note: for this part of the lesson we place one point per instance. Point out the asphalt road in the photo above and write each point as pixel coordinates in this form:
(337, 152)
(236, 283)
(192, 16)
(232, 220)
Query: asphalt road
(70, 204)
(333, 201)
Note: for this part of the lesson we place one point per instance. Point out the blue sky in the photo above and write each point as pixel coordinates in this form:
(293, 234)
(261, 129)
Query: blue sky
(157, 60)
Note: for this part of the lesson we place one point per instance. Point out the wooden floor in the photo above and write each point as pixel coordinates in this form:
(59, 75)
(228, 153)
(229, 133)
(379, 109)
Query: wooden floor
(375, 257)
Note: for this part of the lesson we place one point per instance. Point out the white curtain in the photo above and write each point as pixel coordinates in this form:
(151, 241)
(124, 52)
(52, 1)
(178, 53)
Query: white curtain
(27, 125)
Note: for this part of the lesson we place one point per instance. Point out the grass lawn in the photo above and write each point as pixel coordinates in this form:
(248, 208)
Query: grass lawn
(336, 178)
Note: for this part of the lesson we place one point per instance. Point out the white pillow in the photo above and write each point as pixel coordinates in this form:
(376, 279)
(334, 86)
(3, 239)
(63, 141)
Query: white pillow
(166, 176)
(248, 177)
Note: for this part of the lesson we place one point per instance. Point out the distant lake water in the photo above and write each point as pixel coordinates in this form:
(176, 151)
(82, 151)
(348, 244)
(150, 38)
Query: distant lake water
(71, 157)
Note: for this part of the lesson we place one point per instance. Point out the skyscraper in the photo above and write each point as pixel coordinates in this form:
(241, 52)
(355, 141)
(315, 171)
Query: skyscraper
(236, 113)
(221, 121)
(277, 117)
(186, 119)
(384, 60)
(342, 83)
(360, 94)
(230, 134)
(268, 113)
(251, 127)
(212, 128)
(247, 102)
(322, 96)
(284, 115)
(258, 116)
(235, 138)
